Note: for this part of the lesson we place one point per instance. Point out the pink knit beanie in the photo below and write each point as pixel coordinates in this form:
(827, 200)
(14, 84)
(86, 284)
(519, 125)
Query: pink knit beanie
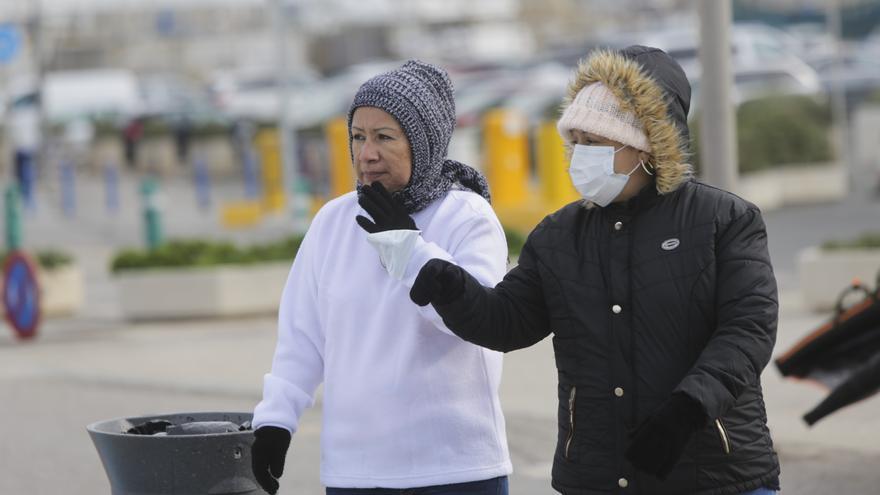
(596, 110)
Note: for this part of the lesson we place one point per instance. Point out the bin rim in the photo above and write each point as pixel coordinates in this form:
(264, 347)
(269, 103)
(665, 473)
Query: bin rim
(95, 427)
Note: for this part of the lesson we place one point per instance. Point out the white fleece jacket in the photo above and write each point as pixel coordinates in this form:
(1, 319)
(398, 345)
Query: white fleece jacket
(406, 402)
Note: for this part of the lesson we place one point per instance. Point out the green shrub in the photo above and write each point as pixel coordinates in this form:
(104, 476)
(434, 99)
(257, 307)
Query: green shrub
(515, 241)
(777, 130)
(51, 259)
(105, 127)
(868, 240)
(157, 127)
(48, 259)
(194, 253)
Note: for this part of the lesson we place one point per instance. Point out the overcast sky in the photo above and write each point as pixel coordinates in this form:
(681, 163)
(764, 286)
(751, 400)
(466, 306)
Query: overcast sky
(16, 8)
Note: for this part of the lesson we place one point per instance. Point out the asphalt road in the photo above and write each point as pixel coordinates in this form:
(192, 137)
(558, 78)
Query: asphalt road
(96, 366)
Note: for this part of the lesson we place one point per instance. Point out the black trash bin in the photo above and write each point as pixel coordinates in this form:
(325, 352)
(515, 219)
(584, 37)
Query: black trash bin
(180, 464)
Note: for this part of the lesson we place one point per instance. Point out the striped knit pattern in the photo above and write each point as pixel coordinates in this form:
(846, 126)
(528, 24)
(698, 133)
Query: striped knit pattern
(595, 110)
(420, 97)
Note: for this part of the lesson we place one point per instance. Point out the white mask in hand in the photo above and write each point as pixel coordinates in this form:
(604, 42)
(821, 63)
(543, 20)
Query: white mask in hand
(592, 173)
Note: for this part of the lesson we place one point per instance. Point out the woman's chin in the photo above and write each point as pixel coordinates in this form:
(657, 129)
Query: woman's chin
(372, 179)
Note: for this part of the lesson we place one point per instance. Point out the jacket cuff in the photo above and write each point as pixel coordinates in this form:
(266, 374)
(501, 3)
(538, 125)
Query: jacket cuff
(690, 410)
(422, 252)
(282, 405)
(395, 248)
(705, 391)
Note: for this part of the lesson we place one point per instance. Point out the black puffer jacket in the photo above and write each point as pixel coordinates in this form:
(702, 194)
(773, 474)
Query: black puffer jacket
(662, 294)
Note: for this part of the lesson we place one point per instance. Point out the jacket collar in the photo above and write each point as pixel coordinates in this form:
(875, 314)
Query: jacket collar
(646, 197)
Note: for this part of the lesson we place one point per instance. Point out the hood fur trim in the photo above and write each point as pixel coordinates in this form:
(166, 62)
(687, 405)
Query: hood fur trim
(638, 93)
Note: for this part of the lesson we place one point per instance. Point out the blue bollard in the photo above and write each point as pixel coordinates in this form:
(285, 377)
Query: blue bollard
(29, 180)
(203, 183)
(251, 166)
(68, 188)
(111, 188)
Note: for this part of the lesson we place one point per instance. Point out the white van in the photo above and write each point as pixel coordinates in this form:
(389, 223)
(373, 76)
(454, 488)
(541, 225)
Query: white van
(87, 93)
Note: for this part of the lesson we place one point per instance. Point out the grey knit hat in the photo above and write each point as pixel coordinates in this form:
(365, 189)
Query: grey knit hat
(419, 96)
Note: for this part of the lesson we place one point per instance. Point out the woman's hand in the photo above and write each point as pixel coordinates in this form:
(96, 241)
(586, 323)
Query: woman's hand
(439, 282)
(657, 444)
(267, 456)
(387, 212)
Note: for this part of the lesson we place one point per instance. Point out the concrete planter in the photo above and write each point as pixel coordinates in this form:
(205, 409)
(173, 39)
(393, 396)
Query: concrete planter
(866, 141)
(62, 290)
(792, 185)
(825, 274)
(202, 292)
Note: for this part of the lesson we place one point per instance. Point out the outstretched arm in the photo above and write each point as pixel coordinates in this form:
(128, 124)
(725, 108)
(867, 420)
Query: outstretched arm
(511, 316)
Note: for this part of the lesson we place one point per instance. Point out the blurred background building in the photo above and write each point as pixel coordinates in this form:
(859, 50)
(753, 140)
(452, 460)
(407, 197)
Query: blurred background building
(142, 138)
(154, 86)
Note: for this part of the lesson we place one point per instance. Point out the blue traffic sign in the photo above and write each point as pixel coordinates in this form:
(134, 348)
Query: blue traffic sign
(21, 295)
(10, 42)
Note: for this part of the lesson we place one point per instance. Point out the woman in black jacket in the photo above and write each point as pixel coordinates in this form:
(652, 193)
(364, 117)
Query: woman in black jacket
(658, 291)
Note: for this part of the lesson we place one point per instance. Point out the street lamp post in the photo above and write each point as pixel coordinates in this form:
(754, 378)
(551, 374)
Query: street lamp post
(717, 119)
(292, 182)
(838, 97)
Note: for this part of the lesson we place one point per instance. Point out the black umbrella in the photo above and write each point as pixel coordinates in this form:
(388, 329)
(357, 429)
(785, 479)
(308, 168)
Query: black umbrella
(843, 354)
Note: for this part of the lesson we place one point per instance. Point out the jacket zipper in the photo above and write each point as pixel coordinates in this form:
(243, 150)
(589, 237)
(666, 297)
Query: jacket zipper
(571, 397)
(725, 440)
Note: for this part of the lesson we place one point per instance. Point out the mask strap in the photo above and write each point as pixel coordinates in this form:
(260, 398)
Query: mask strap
(640, 164)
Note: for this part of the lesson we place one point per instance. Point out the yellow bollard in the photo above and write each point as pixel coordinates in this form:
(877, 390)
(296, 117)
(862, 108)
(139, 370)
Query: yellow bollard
(556, 187)
(241, 214)
(269, 148)
(342, 179)
(506, 156)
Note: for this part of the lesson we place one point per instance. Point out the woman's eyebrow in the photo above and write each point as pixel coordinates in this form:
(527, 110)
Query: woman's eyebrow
(356, 128)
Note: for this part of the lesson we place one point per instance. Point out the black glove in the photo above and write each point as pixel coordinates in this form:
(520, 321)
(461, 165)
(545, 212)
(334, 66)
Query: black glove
(387, 212)
(657, 444)
(267, 456)
(438, 282)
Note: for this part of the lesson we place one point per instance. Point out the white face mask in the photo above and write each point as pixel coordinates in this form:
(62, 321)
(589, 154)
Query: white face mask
(592, 173)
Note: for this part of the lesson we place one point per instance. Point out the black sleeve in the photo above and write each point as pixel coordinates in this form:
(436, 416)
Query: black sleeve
(511, 316)
(747, 312)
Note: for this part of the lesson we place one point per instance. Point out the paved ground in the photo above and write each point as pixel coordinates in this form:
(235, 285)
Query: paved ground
(51, 388)
(96, 366)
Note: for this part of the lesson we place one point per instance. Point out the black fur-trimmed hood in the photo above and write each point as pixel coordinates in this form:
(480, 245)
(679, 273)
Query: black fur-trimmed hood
(649, 83)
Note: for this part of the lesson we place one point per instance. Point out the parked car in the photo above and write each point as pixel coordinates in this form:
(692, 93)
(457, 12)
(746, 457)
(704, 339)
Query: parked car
(764, 61)
(171, 97)
(540, 93)
(751, 44)
(253, 93)
(91, 93)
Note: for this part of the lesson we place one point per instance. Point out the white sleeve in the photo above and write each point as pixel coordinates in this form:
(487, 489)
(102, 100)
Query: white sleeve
(481, 249)
(298, 364)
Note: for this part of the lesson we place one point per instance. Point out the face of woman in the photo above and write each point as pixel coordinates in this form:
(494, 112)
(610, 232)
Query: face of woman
(626, 161)
(380, 149)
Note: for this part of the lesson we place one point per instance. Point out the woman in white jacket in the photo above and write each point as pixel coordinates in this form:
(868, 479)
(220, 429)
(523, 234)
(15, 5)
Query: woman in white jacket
(407, 404)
